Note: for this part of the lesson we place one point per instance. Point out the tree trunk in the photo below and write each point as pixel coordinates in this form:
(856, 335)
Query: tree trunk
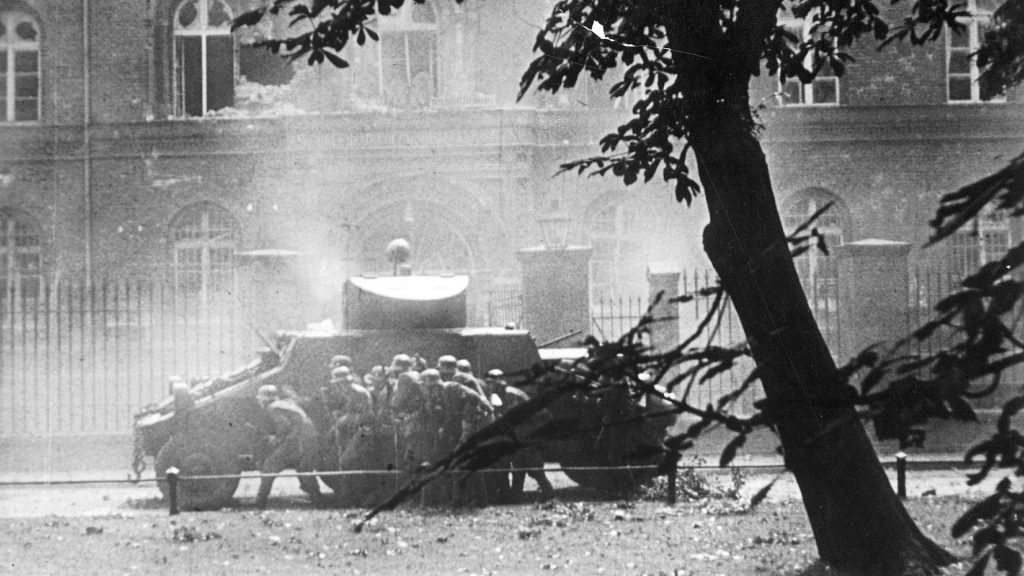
(858, 521)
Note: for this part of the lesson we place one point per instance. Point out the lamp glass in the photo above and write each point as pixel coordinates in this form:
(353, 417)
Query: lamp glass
(555, 227)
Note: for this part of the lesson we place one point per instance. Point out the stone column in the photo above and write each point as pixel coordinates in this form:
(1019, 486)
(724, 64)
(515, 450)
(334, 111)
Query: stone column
(664, 279)
(556, 292)
(873, 284)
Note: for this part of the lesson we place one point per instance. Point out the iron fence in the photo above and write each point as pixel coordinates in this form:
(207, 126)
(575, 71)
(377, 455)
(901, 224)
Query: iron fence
(505, 306)
(611, 317)
(78, 358)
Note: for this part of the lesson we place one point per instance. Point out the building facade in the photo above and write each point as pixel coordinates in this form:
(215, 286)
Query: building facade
(144, 135)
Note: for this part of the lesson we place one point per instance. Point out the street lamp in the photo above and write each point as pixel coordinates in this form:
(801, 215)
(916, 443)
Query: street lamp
(555, 228)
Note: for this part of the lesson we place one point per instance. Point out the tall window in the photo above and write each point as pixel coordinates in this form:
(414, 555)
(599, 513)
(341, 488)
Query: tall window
(19, 68)
(962, 75)
(204, 238)
(617, 264)
(818, 271)
(20, 255)
(824, 89)
(405, 73)
(204, 57)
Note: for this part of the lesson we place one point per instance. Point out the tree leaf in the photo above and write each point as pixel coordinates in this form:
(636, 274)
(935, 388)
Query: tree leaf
(729, 452)
(761, 494)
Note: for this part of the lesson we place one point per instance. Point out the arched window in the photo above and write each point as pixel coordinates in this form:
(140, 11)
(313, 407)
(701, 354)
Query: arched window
(405, 74)
(204, 57)
(618, 266)
(818, 270)
(204, 238)
(20, 255)
(19, 68)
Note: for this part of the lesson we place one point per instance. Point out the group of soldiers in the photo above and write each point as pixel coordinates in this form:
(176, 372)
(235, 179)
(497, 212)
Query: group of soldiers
(422, 412)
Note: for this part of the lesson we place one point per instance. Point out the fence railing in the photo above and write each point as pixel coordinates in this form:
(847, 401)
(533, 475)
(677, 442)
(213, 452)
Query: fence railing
(611, 317)
(505, 306)
(79, 358)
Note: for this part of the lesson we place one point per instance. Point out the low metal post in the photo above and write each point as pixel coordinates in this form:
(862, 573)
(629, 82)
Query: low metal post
(901, 475)
(672, 472)
(172, 489)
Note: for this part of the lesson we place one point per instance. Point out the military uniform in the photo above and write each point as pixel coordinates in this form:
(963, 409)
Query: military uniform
(297, 447)
(528, 457)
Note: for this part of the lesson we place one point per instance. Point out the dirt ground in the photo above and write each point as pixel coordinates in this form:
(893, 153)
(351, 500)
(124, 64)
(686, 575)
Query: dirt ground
(126, 530)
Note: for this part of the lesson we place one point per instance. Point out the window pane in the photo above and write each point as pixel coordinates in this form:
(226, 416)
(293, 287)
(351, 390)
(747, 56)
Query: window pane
(26, 61)
(190, 74)
(26, 31)
(824, 91)
(187, 15)
(959, 88)
(988, 90)
(393, 52)
(219, 14)
(220, 72)
(26, 86)
(421, 52)
(961, 40)
(959, 62)
(26, 110)
(792, 92)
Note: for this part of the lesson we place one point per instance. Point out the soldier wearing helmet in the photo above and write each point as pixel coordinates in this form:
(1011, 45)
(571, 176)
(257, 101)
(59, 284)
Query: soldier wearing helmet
(446, 366)
(295, 444)
(341, 360)
(527, 461)
(471, 383)
(426, 421)
(354, 412)
(399, 364)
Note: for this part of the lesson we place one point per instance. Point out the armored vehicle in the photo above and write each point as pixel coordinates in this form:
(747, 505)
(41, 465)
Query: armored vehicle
(216, 427)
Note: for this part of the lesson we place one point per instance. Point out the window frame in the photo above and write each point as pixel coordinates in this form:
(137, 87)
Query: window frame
(802, 28)
(10, 20)
(975, 27)
(204, 32)
(206, 243)
(23, 285)
(402, 24)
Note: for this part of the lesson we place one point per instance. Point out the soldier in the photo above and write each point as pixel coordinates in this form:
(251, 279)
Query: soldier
(465, 413)
(354, 410)
(406, 402)
(428, 418)
(295, 444)
(529, 457)
(446, 366)
(341, 360)
(471, 383)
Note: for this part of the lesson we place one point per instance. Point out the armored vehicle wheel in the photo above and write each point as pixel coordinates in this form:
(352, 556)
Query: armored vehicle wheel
(197, 461)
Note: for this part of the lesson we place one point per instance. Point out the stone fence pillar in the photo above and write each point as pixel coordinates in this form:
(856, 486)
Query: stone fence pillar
(556, 291)
(873, 283)
(664, 280)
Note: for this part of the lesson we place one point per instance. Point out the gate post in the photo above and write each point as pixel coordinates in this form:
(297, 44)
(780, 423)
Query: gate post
(556, 291)
(873, 285)
(664, 279)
